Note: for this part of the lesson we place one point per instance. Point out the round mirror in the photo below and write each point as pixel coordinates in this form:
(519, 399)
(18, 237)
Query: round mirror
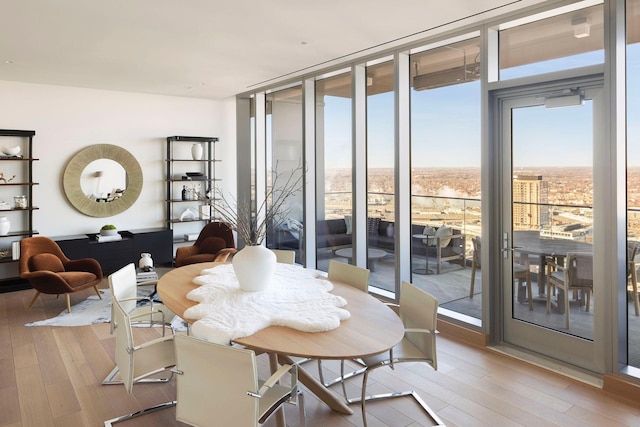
(102, 180)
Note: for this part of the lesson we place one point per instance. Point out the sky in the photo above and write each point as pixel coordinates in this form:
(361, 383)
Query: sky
(445, 124)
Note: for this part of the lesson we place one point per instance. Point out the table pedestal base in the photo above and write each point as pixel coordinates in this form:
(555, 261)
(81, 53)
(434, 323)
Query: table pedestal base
(333, 400)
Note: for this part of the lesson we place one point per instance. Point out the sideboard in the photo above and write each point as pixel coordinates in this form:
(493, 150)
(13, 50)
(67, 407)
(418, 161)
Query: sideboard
(116, 254)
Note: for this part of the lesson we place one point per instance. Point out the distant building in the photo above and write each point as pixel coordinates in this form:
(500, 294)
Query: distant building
(530, 199)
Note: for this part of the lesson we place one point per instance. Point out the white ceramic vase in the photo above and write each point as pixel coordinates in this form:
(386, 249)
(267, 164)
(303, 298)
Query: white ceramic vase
(5, 225)
(254, 267)
(145, 260)
(196, 151)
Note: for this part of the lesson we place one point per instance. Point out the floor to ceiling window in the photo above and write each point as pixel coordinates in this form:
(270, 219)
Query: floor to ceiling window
(445, 128)
(445, 173)
(562, 42)
(334, 169)
(284, 159)
(380, 176)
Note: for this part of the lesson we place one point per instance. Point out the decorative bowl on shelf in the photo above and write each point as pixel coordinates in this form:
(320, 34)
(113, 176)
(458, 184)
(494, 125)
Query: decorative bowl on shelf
(108, 230)
(11, 151)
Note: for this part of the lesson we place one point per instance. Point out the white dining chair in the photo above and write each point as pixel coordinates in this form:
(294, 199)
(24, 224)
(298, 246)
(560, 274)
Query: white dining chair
(358, 278)
(124, 293)
(419, 313)
(136, 362)
(285, 256)
(218, 385)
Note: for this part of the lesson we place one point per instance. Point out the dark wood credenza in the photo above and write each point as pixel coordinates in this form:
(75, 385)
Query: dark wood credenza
(116, 254)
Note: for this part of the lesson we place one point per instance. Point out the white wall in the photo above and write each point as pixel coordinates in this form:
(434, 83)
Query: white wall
(67, 119)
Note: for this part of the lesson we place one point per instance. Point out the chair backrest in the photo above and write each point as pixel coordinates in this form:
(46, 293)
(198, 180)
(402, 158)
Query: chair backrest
(217, 229)
(352, 275)
(285, 256)
(419, 310)
(123, 285)
(477, 248)
(124, 342)
(30, 246)
(580, 269)
(215, 377)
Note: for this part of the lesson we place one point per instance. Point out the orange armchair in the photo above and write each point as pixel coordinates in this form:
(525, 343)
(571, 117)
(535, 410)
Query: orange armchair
(215, 243)
(49, 271)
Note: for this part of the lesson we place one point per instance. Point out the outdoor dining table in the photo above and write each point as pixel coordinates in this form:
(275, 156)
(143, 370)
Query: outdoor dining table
(372, 329)
(531, 243)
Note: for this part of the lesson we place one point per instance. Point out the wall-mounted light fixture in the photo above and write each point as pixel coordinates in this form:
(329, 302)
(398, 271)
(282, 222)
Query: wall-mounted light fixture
(581, 27)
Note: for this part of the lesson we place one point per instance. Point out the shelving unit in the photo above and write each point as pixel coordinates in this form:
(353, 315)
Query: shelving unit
(17, 171)
(180, 161)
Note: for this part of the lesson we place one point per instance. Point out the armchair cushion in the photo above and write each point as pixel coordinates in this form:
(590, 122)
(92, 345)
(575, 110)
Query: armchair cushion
(46, 261)
(77, 278)
(212, 245)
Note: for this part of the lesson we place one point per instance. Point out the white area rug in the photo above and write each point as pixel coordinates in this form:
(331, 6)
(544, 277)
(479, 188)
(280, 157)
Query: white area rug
(94, 310)
(296, 298)
(90, 311)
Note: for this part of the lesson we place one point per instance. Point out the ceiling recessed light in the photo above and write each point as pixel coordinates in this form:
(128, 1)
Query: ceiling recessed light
(8, 62)
(303, 43)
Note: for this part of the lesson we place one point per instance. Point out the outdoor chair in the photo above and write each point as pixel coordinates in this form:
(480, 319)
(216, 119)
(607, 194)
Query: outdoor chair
(438, 241)
(576, 274)
(632, 274)
(521, 272)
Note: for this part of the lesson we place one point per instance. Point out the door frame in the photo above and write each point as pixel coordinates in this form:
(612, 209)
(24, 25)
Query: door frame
(582, 353)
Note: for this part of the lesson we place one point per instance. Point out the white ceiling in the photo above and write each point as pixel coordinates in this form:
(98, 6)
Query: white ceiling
(209, 48)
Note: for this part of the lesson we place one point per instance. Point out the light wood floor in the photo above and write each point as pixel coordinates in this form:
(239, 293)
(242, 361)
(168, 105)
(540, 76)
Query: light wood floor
(51, 377)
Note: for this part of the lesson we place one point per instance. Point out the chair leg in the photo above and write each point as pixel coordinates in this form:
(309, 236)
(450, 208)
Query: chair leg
(109, 379)
(145, 411)
(68, 302)
(636, 302)
(35, 297)
(369, 398)
(566, 307)
(634, 286)
(473, 278)
(95, 288)
(529, 292)
(342, 376)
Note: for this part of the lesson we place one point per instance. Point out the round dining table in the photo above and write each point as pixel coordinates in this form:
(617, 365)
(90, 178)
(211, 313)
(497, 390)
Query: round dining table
(372, 329)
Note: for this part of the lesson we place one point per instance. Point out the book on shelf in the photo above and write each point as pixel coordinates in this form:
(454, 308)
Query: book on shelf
(15, 250)
(145, 275)
(102, 239)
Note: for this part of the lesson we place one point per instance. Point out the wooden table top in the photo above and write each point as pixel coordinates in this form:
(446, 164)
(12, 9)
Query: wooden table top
(372, 328)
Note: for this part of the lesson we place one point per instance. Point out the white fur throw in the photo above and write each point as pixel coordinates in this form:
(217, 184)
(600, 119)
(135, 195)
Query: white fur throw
(297, 298)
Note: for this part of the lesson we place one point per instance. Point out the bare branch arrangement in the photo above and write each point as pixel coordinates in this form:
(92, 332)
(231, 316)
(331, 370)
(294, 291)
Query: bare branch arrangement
(252, 226)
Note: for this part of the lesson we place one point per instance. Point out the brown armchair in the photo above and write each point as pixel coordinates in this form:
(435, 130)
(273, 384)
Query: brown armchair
(215, 243)
(49, 271)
